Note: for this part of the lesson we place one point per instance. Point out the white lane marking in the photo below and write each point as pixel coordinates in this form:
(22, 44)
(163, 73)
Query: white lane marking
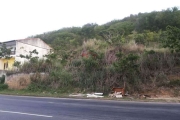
(25, 113)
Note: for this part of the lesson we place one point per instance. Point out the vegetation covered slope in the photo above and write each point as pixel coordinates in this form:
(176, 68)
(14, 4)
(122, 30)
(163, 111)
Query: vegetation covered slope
(140, 50)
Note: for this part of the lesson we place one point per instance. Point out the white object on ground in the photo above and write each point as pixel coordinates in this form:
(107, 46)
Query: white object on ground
(98, 94)
(94, 96)
(77, 95)
(118, 96)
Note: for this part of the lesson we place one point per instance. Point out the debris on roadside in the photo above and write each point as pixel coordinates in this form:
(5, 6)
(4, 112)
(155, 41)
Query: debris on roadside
(77, 95)
(95, 95)
(116, 95)
(117, 92)
(147, 96)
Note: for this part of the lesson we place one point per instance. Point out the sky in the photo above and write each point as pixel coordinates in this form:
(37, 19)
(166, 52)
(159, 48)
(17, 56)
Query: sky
(22, 18)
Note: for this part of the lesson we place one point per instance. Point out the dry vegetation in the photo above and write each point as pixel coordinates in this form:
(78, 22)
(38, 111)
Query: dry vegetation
(138, 50)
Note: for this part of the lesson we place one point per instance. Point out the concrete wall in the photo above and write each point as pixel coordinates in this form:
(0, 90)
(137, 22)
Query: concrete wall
(22, 80)
(18, 81)
(24, 46)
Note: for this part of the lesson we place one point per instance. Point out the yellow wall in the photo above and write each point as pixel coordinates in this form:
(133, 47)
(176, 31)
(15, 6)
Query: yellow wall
(9, 61)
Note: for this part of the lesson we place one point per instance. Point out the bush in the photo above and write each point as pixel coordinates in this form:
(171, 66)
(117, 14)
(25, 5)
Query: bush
(37, 87)
(174, 83)
(3, 86)
(2, 79)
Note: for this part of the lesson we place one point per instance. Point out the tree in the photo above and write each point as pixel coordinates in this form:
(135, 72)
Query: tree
(173, 39)
(127, 67)
(30, 56)
(4, 51)
(88, 31)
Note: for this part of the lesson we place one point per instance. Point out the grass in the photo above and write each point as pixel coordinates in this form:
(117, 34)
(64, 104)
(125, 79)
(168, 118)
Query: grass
(97, 45)
(29, 93)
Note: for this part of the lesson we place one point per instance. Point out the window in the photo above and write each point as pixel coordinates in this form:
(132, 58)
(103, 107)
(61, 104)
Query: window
(13, 51)
(5, 65)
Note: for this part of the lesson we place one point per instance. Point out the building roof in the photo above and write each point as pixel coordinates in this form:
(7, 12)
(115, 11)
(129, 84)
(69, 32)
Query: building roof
(7, 41)
(30, 41)
(20, 39)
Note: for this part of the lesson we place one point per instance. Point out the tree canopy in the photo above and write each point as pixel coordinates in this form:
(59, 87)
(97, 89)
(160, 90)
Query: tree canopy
(173, 39)
(4, 51)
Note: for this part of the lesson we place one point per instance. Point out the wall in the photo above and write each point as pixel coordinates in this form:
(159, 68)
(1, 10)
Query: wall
(22, 80)
(24, 46)
(18, 81)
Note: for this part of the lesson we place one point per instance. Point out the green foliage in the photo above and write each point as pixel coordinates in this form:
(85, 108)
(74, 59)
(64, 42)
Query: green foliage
(39, 82)
(115, 30)
(3, 86)
(127, 69)
(173, 39)
(87, 30)
(61, 76)
(2, 79)
(36, 66)
(147, 37)
(55, 76)
(4, 51)
(123, 28)
(30, 56)
(64, 46)
(156, 21)
(57, 79)
(140, 39)
(90, 63)
(149, 52)
(64, 40)
(76, 63)
(93, 62)
(92, 81)
(17, 64)
(174, 83)
(126, 63)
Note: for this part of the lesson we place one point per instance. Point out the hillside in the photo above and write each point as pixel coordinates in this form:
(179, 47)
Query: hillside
(137, 50)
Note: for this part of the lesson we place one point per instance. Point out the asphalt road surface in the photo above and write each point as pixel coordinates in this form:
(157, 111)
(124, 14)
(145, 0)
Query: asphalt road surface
(35, 108)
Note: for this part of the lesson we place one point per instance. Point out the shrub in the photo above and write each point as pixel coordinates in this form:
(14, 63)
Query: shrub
(2, 79)
(34, 87)
(39, 82)
(174, 83)
(3, 86)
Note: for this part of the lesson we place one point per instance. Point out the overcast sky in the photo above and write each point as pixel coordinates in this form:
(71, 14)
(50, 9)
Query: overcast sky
(22, 18)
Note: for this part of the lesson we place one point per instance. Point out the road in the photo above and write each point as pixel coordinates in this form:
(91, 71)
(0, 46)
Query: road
(36, 108)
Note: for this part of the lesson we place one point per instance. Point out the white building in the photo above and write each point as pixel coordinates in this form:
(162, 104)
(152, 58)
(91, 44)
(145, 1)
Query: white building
(23, 46)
